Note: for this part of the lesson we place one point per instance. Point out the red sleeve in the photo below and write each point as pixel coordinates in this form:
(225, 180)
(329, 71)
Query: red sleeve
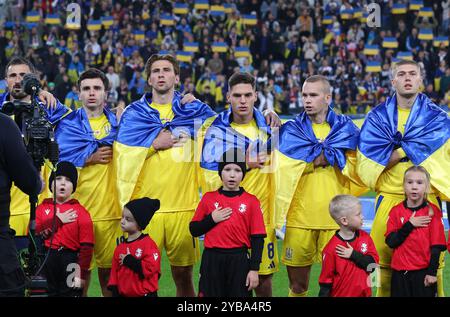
(84, 259)
(151, 263)
(115, 264)
(392, 222)
(328, 266)
(371, 250)
(85, 226)
(437, 232)
(202, 209)
(257, 221)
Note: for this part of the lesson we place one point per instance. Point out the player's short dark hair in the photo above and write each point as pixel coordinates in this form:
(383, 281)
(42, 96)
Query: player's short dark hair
(94, 73)
(241, 78)
(17, 60)
(161, 57)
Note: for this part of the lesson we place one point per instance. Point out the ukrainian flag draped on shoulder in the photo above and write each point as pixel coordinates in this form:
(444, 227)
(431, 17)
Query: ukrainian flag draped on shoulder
(139, 126)
(76, 139)
(425, 141)
(220, 137)
(298, 146)
(53, 114)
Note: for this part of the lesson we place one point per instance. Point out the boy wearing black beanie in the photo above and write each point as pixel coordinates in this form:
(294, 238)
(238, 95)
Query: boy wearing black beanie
(136, 263)
(68, 233)
(232, 222)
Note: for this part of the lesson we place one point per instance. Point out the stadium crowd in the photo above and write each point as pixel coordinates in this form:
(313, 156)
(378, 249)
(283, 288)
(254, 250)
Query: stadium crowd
(280, 42)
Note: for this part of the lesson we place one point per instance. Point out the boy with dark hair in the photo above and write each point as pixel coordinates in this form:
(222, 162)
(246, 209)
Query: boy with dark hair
(70, 237)
(137, 262)
(232, 222)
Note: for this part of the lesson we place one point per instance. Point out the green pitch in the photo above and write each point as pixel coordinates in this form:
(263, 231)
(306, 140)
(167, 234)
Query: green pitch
(280, 280)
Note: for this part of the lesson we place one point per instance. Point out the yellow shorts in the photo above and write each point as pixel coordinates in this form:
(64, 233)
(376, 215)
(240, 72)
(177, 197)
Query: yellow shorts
(383, 206)
(303, 247)
(170, 231)
(20, 223)
(107, 234)
(269, 261)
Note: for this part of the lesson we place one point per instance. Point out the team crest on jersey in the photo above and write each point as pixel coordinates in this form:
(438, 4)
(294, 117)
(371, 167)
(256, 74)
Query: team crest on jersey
(402, 219)
(138, 252)
(288, 254)
(47, 211)
(216, 205)
(155, 256)
(242, 208)
(364, 247)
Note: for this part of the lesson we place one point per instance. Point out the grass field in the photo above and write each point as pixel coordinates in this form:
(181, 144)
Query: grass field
(280, 280)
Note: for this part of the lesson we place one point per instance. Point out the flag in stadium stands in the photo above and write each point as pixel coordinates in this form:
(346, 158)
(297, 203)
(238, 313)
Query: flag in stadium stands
(167, 19)
(363, 18)
(184, 56)
(426, 12)
(139, 35)
(440, 39)
(30, 25)
(190, 47)
(228, 8)
(201, 4)
(33, 16)
(426, 34)
(94, 25)
(357, 13)
(72, 25)
(390, 42)
(415, 5)
(327, 20)
(220, 47)
(405, 56)
(249, 19)
(107, 22)
(371, 50)
(52, 19)
(347, 14)
(242, 51)
(9, 24)
(217, 10)
(373, 67)
(180, 8)
(398, 8)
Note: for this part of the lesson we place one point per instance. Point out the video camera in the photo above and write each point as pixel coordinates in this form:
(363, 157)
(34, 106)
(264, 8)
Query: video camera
(40, 143)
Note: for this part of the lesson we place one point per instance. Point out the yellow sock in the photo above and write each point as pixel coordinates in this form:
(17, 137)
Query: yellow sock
(292, 294)
(440, 283)
(384, 288)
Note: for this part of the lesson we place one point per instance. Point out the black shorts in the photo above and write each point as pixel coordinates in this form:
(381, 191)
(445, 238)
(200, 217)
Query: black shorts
(60, 272)
(411, 284)
(223, 273)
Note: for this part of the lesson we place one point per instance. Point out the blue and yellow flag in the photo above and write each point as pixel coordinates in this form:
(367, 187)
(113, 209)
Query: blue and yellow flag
(298, 146)
(139, 35)
(426, 12)
(220, 47)
(415, 5)
(425, 141)
(363, 18)
(373, 67)
(357, 13)
(180, 8)
(52, 19)
(438, 40)
(390, 42)
(33, 16)
(426, 34)
(405, 56)
(228, 8)
(30, 25)
(167, 19)
(190, 47)
(399, 8)
(107, 22)
(242, 51)
(327, 20)
(217, 10)
(184, 56)
(347, 14)
(220, 137)
(76, 140)
(249, 19)
(371, 50)
(140, 124)
(94, 25)
(201, 5)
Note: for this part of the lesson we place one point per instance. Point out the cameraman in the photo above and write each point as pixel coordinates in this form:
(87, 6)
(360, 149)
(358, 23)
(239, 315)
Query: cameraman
(15, 166)
(15, 70)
